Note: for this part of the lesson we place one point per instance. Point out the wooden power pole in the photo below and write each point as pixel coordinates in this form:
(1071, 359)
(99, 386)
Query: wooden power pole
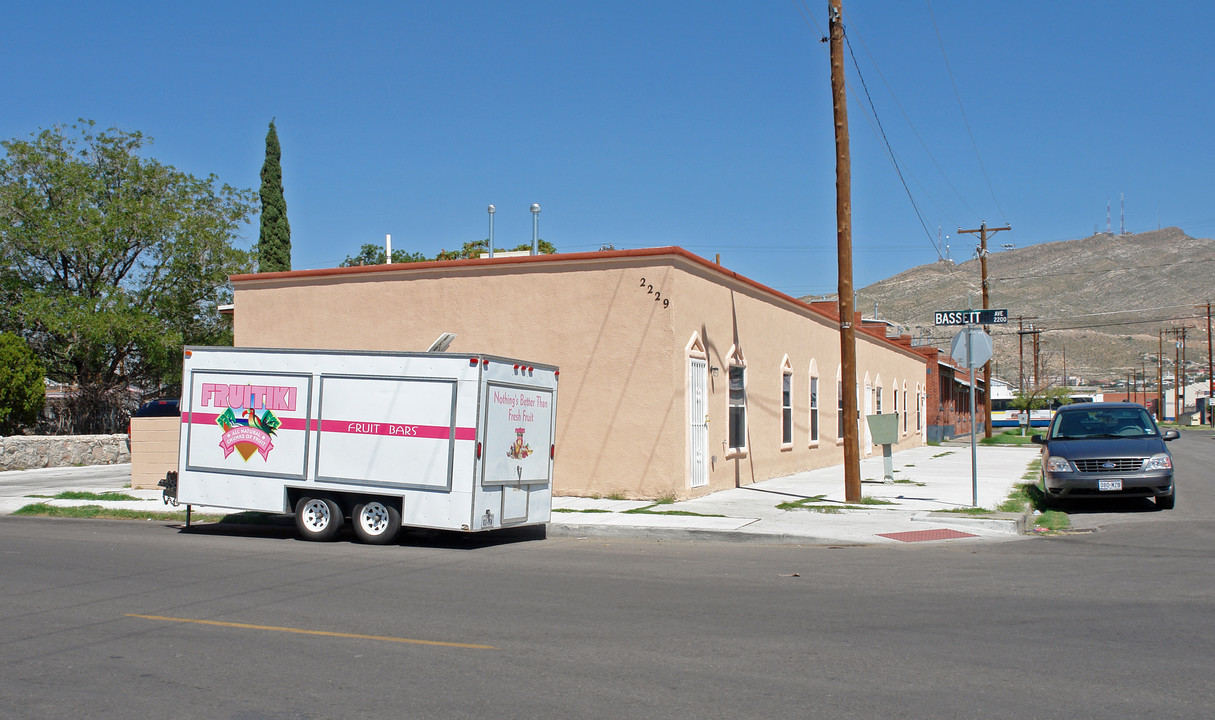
(843, 224)
(1160, 377)
(1210, 370)
(984, 233)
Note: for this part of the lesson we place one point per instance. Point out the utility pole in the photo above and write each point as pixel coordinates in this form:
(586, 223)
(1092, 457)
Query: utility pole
(1144, 375)
(1176, 375)
(1210, 374)
(843, 224)
(1065, 382)
(1021, 333)
(984, 233)
(1183, 379)
(1160, 378)
(1021, 353)
(1037, 333)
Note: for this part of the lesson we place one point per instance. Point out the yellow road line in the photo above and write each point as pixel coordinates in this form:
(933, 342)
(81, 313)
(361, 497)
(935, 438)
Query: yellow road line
(325, 633)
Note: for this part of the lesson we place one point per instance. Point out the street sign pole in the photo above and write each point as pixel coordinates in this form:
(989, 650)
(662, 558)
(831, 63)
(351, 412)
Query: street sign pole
(971, 355)
(974, 454)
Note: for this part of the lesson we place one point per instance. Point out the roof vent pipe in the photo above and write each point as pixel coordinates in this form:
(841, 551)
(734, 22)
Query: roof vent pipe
(491, 209)
(535, 228)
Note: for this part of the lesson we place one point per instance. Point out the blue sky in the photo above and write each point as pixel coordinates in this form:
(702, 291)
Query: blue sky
(639, 124)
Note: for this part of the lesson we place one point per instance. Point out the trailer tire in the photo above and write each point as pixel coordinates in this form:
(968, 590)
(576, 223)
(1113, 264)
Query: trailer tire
(376, 522)
(317, 518)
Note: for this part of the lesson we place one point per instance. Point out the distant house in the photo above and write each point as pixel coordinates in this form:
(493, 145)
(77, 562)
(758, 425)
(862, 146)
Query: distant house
(678, 376)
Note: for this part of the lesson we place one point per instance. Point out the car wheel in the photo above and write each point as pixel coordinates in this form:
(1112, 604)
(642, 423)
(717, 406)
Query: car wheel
(1166, 502)
(317, 518)
(375, 522)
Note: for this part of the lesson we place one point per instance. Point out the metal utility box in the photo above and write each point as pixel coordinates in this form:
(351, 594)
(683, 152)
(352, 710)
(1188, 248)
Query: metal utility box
(449, 441)
(883, 428)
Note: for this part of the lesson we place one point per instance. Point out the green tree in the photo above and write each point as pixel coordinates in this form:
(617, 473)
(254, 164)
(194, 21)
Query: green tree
(371, 254)
(22, 385)
(110, 261)
(274, 240)
(475, 248)
(1037, 397)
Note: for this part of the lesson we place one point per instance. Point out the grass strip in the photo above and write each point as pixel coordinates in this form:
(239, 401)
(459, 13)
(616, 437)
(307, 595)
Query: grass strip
(649, 510)
(815, 504)
(104, 513)
(1008, 437)
(108, 496)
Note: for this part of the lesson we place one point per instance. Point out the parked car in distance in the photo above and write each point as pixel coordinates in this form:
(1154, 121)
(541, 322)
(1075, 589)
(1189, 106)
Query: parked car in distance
(1107, 449)
(159, 408)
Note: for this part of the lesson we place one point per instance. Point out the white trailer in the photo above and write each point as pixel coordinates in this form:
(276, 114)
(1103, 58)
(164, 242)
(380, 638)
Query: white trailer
(429, 440)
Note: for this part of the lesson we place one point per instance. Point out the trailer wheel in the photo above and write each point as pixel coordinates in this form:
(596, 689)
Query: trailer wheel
(375, 522)
(317, 518)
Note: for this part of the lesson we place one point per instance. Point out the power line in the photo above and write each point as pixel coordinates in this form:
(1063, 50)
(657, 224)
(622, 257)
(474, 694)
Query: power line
(911, 125)
(1053, 274)
(874, 120)
(1133, 310)
(806, 14)
(965, 119)
(889, 149)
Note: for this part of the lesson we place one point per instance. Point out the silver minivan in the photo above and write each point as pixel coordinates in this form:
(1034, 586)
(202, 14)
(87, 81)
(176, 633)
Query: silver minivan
(1106, 450)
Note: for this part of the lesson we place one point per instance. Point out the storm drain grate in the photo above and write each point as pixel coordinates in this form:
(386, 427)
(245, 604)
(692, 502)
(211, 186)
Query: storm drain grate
(922, 535)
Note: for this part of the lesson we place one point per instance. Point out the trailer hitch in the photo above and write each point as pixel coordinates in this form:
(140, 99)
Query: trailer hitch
(169, 483)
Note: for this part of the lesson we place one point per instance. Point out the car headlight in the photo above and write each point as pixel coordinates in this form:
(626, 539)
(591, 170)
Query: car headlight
(1159, 461)
(1055, 463)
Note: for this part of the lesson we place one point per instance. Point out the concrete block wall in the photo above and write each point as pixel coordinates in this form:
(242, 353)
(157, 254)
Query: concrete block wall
(23, 452)
(154, 442)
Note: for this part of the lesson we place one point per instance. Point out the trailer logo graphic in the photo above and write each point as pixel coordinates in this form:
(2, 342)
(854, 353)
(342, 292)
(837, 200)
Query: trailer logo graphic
(247, 434)
(519, 449)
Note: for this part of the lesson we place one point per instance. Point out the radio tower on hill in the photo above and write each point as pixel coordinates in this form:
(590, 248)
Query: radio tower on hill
(1108, 230)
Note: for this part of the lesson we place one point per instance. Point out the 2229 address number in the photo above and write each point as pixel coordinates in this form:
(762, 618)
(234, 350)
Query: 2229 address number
(649, 289)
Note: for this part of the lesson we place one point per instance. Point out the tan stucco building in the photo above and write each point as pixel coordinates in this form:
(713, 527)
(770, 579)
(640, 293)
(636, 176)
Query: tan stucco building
(678, 377)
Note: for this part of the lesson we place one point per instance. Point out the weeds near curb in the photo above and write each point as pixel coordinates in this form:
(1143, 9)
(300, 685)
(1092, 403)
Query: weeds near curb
(83, 495)
(649, 510)
(98, 512)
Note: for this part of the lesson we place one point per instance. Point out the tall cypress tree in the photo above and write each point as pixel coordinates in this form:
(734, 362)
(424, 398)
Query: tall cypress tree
(274, 242)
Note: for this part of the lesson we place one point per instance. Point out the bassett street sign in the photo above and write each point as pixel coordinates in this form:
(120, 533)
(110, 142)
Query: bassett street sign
(970, 317)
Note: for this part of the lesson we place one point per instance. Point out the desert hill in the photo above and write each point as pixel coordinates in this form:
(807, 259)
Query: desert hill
(1099, 301)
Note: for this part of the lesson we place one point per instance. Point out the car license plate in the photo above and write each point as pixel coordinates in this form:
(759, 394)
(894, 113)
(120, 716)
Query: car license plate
(1103, 485)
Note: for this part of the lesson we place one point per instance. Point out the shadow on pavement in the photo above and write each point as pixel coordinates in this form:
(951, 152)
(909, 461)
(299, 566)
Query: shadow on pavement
(282, 527)
(1108, 505)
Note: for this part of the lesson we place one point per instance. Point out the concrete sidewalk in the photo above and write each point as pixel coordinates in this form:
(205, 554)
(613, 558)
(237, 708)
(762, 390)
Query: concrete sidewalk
(928, 480)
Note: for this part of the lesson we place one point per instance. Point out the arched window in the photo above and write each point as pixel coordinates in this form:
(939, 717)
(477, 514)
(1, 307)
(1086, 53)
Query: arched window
(904, 407)
(813, 403)
(919, 408)
(786, 403)
(839, 405)
(738, 401)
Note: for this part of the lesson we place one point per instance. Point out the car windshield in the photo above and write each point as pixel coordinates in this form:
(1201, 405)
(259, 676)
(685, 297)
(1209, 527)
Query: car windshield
(1103, 422)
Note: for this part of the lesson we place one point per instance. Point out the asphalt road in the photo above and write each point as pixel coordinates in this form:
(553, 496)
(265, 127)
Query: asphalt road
(120, 619)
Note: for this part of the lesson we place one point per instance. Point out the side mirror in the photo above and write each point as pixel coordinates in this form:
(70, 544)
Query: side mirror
(1171, 435)
(1037, 439)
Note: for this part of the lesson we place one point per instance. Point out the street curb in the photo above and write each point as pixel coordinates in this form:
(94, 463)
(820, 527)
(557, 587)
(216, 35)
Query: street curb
(1012, 523)
(637, 532)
